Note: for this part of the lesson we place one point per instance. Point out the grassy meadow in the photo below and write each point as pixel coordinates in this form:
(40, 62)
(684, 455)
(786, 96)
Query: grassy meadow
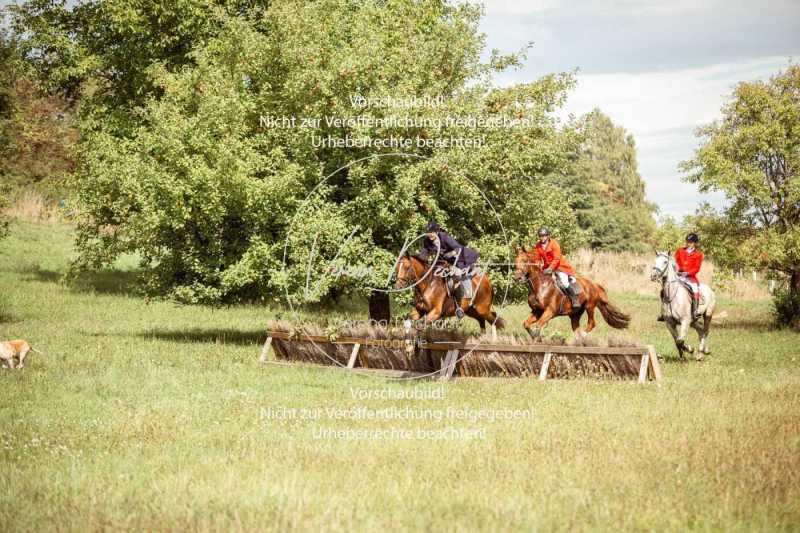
(150, 415)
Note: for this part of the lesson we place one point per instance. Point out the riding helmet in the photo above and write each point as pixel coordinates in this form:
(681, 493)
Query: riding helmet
(692, 237)
(431, 226)
(544, 231)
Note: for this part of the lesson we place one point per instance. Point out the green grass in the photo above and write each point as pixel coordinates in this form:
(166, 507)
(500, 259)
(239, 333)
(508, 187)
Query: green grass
(149, 416)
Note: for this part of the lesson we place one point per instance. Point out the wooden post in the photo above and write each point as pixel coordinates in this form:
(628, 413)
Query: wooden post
(643, 367)
(352, 362)
(448, 365)
(655, 366)
(545, 366)
(264, 351)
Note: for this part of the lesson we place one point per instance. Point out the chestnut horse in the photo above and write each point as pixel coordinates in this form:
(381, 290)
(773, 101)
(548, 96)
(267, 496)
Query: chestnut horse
(547, 301)
(431, 300)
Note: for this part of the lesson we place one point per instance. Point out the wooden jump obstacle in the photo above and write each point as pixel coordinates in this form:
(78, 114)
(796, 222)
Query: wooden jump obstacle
(445, 359)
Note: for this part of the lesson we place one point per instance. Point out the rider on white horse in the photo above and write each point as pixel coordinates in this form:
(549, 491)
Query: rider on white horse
(689, 260)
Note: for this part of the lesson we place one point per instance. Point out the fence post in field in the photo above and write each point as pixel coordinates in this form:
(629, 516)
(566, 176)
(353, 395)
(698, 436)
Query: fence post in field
(265, 350)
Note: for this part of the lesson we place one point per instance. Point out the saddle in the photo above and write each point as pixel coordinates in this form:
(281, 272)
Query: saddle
(573, 288)
(688, 286)
(460, 286)
(696, 303)
(571, 291)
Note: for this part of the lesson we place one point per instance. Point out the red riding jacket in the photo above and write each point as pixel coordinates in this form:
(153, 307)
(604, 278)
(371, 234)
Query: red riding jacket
(689, 262)
(551, 257)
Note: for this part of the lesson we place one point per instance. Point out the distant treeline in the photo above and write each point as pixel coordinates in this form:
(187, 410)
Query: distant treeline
(145, 117)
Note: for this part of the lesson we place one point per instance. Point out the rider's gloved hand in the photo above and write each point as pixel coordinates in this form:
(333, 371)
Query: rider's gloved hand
(548, 270)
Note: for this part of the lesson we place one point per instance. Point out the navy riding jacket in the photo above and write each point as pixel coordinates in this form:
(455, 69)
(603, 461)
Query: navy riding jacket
(466, 255)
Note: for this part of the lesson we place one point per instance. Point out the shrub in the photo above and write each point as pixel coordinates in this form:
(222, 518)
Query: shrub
(786, 308)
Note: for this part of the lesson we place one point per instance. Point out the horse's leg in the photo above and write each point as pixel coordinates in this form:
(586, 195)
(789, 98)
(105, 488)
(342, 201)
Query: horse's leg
(472, 312)
(414, 314)
(706, 330)
(527, 325)
(701, 333)
(546, 316)
(686, 322)
(680, 341)
(674, 331)
(434, 314)
(590, 323)
(575, 318)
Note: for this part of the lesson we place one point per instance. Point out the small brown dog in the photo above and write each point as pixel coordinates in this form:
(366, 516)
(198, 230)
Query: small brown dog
(15, 349)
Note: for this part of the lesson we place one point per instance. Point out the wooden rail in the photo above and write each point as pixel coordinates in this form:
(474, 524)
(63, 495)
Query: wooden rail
(455, 351)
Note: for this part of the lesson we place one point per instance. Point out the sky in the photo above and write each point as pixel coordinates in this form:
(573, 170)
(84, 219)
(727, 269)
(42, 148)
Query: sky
(659, 68)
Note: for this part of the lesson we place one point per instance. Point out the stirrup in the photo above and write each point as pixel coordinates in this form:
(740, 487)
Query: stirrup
(459, 313)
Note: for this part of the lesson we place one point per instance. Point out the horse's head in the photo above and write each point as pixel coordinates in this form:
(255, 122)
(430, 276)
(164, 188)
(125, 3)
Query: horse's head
(409, 272)
(525, 263)
(661, 266)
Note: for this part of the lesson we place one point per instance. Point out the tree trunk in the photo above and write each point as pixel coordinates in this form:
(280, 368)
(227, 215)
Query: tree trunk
(379, 307)
(794, 285)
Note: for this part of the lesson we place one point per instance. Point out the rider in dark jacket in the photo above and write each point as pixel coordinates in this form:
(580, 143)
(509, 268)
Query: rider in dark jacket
(463, 258)
(450, 249)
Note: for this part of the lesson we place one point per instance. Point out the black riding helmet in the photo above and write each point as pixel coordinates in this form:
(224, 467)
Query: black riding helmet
(692, 237)
(544, 231)
(431, 226)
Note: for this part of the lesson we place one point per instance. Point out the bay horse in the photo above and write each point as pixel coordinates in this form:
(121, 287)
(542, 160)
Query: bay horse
(547, 301)
(676, 306)
(431, 300)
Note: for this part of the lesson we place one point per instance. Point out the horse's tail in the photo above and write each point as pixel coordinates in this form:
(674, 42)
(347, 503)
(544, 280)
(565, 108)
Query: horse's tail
(611, 314)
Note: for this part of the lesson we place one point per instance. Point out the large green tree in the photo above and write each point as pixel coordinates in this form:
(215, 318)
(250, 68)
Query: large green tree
(221, 205)
(98, 52)
(752, 154)
(606, 190)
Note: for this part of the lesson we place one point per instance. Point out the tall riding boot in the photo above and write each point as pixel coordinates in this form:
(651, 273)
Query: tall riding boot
(455, 294)
(576, 302)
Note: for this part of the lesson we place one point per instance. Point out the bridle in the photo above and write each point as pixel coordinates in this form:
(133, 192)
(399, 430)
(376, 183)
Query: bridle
(406, 280)
(526, 274)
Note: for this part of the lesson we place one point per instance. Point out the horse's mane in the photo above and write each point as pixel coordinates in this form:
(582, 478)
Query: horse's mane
(534, 260)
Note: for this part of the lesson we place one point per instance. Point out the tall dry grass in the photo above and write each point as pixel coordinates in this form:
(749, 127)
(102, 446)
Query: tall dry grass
(30, 205)
(630, 272)
(617, 271)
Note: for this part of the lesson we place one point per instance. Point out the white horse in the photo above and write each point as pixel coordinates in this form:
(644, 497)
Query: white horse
(676, 304)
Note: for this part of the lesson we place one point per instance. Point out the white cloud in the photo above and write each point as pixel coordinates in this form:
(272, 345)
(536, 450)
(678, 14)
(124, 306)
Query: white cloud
(631, 7)
(662, 109)
(650, 102)
(517, 7)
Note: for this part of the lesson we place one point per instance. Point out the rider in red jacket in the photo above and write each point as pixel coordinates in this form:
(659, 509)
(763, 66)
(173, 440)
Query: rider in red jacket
(549, 252)
(689, 260)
